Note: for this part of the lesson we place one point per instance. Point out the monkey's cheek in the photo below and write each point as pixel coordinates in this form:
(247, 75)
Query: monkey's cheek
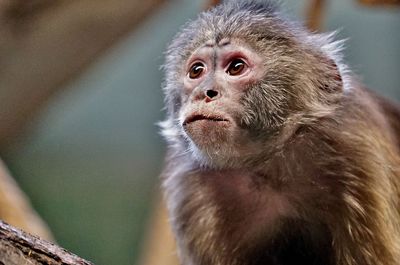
(208, 134)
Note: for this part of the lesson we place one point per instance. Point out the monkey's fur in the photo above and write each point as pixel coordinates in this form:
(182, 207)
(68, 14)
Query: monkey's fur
(305, 168)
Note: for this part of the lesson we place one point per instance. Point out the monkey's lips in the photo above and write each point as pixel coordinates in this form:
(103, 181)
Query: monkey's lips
(205, 118)
(208, 130)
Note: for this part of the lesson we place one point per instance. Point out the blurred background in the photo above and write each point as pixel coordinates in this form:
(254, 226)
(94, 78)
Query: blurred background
(80, 98)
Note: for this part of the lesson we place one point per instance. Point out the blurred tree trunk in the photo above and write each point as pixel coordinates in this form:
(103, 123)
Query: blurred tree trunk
(314, 15)
(159, 247)
(212, 3)
(16, 209)
(18, 247)
(44, 43)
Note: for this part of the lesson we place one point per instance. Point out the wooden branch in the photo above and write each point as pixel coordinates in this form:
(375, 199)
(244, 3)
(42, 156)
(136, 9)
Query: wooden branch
(44, 43)
(18, 247)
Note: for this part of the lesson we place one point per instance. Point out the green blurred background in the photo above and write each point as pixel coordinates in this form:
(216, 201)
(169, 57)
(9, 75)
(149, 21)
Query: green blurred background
(90, 160)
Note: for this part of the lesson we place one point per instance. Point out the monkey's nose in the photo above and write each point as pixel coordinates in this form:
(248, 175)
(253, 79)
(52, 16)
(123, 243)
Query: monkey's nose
(211, 95)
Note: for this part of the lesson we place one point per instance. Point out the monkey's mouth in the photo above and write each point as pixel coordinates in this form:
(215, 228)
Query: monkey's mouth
(201, 117)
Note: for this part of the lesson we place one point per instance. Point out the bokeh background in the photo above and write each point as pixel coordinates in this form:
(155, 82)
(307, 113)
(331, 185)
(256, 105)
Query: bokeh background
(89, 160)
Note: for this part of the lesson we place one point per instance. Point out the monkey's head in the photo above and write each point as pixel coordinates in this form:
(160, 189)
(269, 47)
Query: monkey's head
(239, 77)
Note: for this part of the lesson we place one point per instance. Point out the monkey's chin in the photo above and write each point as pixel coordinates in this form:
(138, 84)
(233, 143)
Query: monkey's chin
(206, 133)
(212, 140)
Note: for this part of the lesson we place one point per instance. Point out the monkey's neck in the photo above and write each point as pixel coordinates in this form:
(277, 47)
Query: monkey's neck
(231, 215)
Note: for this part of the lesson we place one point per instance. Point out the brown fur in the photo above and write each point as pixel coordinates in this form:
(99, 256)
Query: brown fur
(340, 172)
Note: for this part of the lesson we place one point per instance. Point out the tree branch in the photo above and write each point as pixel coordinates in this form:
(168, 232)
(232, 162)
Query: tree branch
(18, 247)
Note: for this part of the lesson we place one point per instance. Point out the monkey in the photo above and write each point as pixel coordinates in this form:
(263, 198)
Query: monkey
(276, 153)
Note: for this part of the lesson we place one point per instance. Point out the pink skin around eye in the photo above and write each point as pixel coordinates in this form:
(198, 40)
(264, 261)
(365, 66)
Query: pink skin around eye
(223, 56)
(230, 57)
(252, 72)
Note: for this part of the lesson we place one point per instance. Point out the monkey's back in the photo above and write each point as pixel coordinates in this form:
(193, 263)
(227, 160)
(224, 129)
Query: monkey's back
(391, 111)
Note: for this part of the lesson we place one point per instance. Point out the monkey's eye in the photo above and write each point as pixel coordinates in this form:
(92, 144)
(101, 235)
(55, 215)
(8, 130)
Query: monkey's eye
(196, 70)
(236, 67)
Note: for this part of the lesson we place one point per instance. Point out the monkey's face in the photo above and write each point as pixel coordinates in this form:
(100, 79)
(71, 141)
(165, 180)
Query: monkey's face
(237, 81)
(216, 77)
